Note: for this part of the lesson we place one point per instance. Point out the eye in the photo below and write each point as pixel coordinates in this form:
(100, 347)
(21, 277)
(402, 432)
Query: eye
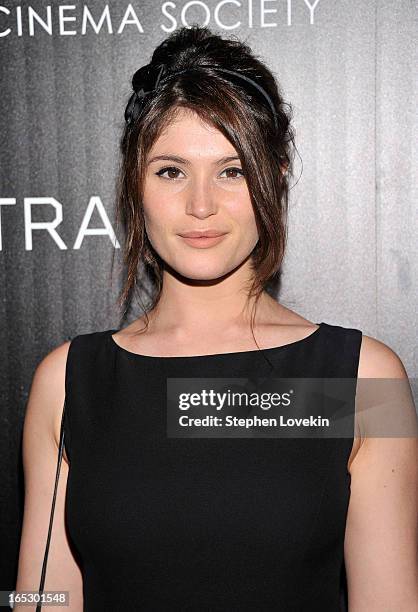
(171, 169)
(234, 170)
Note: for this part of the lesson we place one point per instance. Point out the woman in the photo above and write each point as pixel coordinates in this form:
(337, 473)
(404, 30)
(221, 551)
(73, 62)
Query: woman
(148, 521)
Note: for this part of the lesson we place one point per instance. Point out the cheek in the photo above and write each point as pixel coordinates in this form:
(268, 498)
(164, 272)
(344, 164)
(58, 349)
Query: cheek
(159, 218)
(242, 215)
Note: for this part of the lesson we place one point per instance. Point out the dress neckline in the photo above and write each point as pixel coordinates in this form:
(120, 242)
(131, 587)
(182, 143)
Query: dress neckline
(282, 347)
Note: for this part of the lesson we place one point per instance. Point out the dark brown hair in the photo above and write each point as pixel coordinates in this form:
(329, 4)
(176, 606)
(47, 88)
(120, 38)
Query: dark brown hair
(244, 118)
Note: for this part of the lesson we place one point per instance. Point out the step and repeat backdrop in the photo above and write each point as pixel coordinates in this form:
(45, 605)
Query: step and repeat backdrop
(348, 67)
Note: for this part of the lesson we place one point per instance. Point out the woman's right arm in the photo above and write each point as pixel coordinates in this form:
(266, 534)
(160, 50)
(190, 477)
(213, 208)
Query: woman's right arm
(41, 434)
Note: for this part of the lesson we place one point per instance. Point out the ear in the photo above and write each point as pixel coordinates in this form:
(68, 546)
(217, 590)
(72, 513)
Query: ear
(283, 163)
(283, 167)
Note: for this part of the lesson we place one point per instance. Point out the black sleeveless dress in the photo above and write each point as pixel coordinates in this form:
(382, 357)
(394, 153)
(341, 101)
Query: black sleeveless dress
(203, 524)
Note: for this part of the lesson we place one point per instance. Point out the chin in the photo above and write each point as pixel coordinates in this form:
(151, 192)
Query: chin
(203, 272)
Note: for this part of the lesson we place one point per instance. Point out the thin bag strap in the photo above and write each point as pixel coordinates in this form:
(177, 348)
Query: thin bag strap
(60, 451)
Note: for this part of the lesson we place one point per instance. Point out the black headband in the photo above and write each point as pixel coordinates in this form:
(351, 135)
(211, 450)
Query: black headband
(149, 77)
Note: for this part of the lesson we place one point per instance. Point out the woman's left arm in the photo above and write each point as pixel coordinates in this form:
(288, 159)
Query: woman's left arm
(381, 540)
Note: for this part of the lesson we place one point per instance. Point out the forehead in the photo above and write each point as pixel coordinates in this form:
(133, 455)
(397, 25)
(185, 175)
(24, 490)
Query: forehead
(187, 134)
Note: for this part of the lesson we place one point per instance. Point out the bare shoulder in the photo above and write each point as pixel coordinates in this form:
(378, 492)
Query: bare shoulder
(54, 362)
(40, 444)
(381, 530)
(378, 360)
(47, 393)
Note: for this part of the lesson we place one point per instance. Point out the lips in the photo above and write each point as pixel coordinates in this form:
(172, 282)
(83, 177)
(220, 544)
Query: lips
(211, 233)
(203, 240)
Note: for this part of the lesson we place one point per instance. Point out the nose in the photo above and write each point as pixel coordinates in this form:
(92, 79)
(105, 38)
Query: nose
(201, 200)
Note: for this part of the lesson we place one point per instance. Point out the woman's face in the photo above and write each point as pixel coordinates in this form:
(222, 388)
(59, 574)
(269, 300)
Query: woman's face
(197, 183)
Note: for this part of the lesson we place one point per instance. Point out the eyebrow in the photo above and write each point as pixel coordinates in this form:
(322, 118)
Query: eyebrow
(186, 162)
